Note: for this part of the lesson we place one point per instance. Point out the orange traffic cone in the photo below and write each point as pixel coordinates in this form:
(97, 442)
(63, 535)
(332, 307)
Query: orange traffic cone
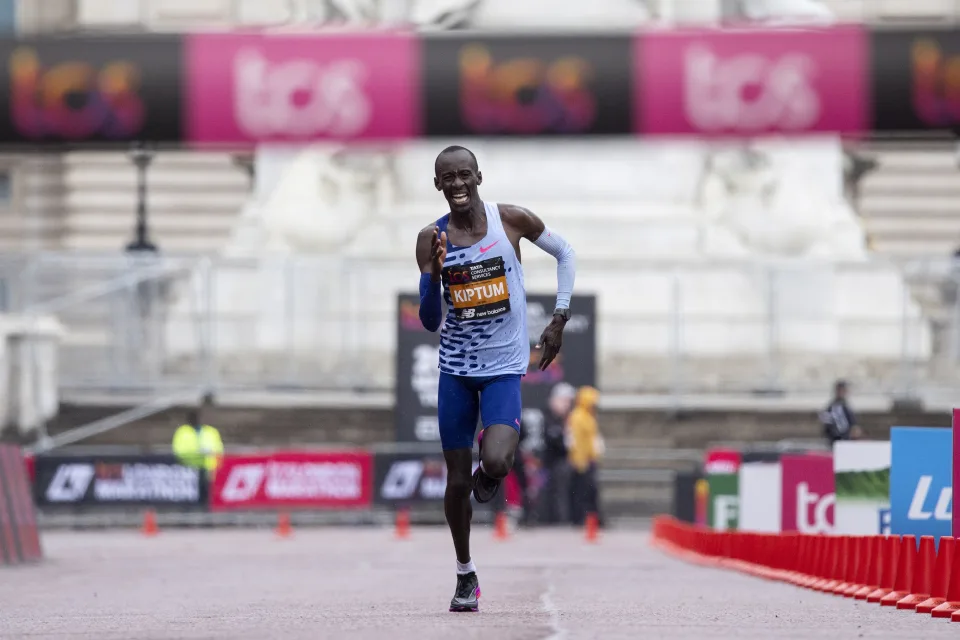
(902, 581)
(922, 583)
(150, 523)
(845, 566)
(591, 527)
(403, 524)
(941, 576)
(889, 554)
(833, 566)
(858, 571)
(283, 525)
(501, 530)
(952, 604)
(874, 568)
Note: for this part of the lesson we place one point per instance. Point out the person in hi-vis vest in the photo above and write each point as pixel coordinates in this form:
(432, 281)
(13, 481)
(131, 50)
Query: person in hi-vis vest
(198, 445)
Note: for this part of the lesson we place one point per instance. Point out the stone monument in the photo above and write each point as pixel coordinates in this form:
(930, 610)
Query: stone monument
(732, 261)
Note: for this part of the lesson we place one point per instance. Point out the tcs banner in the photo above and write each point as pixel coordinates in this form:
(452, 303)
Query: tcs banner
(307, 480)
(746, 82)
(808, 497)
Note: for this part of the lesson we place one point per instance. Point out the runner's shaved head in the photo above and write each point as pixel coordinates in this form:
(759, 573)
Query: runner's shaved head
(454, 149)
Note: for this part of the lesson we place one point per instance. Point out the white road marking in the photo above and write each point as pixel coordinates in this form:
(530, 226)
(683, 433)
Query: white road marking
(546, 600)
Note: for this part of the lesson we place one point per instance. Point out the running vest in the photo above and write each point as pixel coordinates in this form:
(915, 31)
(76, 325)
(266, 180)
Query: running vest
(485, 330)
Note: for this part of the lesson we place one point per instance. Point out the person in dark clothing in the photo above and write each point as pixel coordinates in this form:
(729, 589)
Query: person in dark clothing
(839, 422)
(556, 492)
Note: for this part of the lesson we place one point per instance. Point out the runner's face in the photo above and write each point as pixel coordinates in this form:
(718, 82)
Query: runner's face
(458, 178)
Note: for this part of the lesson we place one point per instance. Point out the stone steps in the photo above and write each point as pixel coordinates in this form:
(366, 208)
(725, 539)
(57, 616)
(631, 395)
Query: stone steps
(910, 204)
(193, 200)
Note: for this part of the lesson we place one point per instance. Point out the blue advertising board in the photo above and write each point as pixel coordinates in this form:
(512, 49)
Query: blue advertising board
(921, 481)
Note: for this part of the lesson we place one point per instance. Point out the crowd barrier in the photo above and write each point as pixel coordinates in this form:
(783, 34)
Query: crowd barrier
(278, 480)
(19, 539)
(888, 570)
(208, 90)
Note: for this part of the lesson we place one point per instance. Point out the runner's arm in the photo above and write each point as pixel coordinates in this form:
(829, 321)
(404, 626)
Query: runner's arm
(533, 229)
(431, 312)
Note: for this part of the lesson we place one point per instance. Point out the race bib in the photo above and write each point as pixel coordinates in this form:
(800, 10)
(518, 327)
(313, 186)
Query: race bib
(478, 290)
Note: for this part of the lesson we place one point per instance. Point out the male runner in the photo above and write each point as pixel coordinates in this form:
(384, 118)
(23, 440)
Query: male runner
(474, 251)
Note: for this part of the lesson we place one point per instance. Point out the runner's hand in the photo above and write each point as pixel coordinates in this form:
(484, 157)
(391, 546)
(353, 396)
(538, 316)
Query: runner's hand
(551, 341)
(438, 253)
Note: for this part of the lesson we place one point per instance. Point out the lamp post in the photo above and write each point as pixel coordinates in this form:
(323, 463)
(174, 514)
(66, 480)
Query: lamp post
(141, 156)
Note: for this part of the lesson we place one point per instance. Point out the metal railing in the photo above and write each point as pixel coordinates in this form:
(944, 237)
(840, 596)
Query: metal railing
(166, 324)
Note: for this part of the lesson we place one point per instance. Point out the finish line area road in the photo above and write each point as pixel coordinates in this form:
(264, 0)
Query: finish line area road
(362, 583)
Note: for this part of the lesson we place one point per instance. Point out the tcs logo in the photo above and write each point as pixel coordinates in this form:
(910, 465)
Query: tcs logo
(750, 91)
(74, 99)
(936, 84)
(300, 97)
(459, 276)
(814, 511)
(525, 95)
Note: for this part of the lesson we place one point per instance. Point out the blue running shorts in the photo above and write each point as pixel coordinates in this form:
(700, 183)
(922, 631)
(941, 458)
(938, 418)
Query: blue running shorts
(464, 399)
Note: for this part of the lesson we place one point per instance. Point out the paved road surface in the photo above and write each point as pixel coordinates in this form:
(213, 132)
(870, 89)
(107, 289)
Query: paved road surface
(361, 583)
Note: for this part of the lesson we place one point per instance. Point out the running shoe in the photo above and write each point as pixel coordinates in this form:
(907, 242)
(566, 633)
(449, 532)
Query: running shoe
(467, 596)
(484, 487)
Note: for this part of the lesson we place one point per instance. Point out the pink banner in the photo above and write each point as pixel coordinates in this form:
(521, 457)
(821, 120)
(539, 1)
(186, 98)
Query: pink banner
(294, 479)
(956, 471)
(300, 88)
(745, 82)
(808, 493)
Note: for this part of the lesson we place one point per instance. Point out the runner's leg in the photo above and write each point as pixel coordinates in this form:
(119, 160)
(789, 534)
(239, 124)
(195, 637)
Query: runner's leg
(500, 407)
(458, 410)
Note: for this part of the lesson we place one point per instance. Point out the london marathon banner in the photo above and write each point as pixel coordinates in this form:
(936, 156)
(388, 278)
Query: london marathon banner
(418, 373)
(407, 479)
(117, 480)
(294, 480)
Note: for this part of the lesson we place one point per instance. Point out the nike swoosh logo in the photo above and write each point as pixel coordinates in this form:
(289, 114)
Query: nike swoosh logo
(485, 249)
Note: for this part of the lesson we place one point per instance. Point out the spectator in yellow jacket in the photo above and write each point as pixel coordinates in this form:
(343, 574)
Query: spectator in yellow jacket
(584, 450)
(198, 445)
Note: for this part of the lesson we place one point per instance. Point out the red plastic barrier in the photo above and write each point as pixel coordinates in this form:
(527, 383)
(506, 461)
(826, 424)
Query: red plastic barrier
(19, 538)
(852, 566)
